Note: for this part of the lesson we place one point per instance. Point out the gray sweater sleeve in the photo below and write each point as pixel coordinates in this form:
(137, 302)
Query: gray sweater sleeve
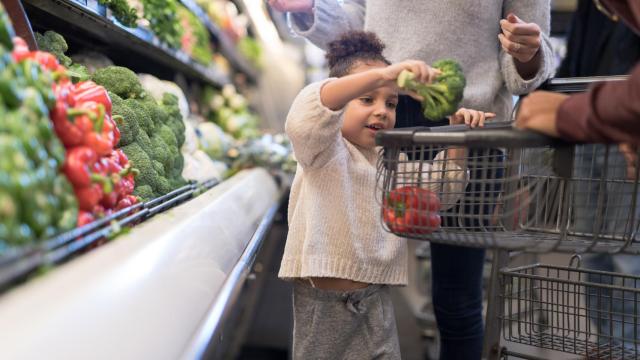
(538, 12)
(330, 19)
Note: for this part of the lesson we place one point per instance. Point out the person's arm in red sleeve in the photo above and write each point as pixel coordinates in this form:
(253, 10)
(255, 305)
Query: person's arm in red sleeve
(609, 112)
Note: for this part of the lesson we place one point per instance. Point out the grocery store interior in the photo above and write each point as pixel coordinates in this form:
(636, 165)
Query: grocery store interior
(145, 177)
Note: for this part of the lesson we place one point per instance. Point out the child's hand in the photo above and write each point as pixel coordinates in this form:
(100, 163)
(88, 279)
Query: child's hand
(424, 73)
(473, 118)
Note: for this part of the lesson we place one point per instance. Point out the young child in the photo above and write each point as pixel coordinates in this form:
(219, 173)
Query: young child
(337, 253)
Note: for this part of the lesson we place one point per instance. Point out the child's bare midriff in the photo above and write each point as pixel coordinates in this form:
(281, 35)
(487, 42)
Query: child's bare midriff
(326, 283)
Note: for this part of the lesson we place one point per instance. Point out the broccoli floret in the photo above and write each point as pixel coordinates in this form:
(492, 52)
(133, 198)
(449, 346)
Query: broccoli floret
(145, 192)
(170, 105)
(141, 114)
(167, 135)
(115, 99)
(78, 73)
(163, 186)
(174, 120)
(159, 152)
(178, 128)
(156, 113)
(157, 165)
(169, 163)
(178, 165)
(442, 97)
(145, 144)
(119, 80)
(54, 43)
(177, 182)
(141, 161)
(126, 120)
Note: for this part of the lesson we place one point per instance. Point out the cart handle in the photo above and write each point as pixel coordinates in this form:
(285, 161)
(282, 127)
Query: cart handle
(577, 84)
(495, 136)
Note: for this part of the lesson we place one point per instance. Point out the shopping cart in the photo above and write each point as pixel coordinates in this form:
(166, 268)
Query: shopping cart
(512, 190)
(571, 310)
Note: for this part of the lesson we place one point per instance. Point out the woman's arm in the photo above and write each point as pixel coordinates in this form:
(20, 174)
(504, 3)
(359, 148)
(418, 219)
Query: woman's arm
(526, 58)
(322, 21)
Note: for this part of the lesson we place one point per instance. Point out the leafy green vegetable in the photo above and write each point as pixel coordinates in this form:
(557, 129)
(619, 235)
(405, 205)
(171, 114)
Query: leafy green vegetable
(126, 15)
(163, 20)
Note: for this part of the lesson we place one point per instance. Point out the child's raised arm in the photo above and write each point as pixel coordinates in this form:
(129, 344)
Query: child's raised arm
(337, 93)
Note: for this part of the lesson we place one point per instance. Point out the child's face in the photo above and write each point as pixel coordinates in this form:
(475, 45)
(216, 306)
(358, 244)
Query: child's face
(369, 113)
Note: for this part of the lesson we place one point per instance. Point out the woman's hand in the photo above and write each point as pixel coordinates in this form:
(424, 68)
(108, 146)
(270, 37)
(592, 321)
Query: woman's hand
(538, 112)
(519, 39)
(299, 6)
(473, 118)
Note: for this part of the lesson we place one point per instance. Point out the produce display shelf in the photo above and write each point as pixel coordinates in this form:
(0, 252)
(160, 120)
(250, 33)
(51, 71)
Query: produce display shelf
(228, 49)
(577, 84)
(159, 291)
(95, 21)
(18, 262)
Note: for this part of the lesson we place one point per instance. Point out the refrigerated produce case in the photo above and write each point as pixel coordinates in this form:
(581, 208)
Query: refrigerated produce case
(161, 291)
(161, 279)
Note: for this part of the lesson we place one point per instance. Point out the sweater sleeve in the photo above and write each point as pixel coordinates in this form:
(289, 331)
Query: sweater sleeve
(314, 130)
(609, 112)
(538, 12)
(330, 19)
(444, 177)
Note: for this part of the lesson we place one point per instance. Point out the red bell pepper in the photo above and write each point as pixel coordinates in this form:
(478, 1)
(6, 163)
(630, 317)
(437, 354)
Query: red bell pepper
(84, 218)
(411, 210)
(69, 130)
(126, 202)
(88, 197)
(46, 60)
(20, 49)
(101, 136)
(116, 131)
(78, 164)
(89, 91)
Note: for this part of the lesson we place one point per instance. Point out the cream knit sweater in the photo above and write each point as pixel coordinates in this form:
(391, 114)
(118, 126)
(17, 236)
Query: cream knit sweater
(334, 219)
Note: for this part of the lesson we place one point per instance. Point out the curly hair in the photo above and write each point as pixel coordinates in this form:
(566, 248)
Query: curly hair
(352, 48)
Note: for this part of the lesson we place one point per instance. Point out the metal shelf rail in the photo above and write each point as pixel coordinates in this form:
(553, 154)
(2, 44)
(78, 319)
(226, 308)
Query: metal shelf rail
(17, 263)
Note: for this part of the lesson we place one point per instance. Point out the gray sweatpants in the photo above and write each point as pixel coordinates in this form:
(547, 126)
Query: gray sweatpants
(333, 325)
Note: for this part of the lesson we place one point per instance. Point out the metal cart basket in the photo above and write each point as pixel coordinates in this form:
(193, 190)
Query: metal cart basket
(500, 187)
(568, 309)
